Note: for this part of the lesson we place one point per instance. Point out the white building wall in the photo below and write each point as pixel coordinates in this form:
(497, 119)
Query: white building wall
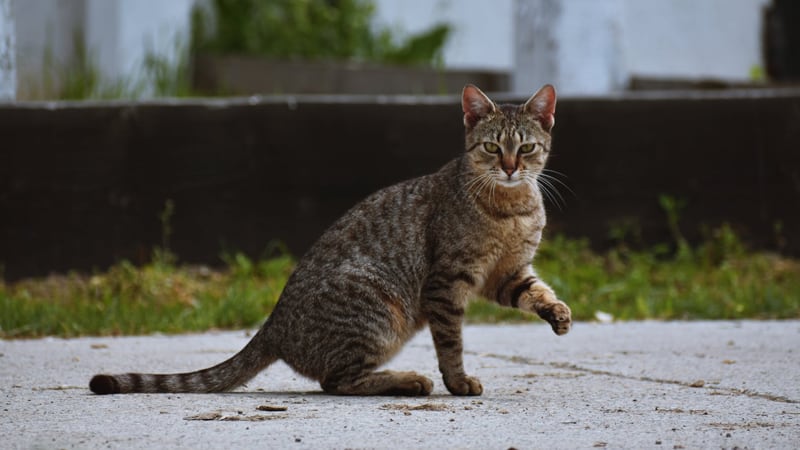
(573, 44)
(482, 35)
(117, 34)
(122, 32)
(581, 46)
(693, 38)
(46, 29)
(152, 25)
(596, 46)
(102, 35)
(8, 57)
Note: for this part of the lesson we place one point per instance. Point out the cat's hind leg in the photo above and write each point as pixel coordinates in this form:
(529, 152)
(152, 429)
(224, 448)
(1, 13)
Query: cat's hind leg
(386, 382)
(352, 364)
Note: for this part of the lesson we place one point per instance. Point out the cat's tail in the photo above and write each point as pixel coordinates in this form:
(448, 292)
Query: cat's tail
(237, 370)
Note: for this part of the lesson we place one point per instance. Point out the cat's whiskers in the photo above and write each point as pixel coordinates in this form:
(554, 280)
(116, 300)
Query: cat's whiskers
(474, 183)
(476, 186)
(556, 179)
(491, 193)
(551, 181)
(548, 189)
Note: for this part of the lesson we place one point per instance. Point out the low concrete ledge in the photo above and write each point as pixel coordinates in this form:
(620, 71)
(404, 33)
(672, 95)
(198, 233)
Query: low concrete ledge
(82, 184)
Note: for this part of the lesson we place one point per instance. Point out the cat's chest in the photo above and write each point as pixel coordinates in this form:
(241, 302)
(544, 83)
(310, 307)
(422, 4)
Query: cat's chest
(512, 243)
(515, 231)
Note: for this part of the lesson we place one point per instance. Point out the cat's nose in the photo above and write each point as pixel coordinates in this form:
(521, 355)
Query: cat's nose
(509, 170)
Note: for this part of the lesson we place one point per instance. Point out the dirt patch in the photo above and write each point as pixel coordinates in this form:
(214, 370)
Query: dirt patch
(253, 418)
(214, 415)
(240, 416)
(701, 412)
(551, 375)
(57, 388)
(423, 407)
(218, 416)
(272, 408)
(746, 425)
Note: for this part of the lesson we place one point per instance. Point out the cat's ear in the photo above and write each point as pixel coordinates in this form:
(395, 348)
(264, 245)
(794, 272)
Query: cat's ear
(475, 104)
(542, 105)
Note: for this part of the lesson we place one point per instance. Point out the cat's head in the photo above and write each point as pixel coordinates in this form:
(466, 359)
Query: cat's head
(508, 145)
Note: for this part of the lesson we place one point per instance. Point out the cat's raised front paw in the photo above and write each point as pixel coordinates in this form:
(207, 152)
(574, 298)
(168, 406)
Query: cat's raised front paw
(558, 315)
(464, 385)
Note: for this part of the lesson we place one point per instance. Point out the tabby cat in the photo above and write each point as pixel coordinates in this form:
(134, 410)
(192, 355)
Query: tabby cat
(409, 255)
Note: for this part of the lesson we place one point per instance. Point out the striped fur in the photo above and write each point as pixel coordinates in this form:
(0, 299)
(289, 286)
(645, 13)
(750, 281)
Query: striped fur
(409, 255)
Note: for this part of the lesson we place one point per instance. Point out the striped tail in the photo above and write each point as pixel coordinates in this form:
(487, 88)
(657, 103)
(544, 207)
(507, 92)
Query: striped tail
(234, 372)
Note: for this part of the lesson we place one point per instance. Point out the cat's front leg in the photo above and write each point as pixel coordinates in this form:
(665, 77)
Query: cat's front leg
(541, 299)
(444, 309)
(446, 333)
(528, 293)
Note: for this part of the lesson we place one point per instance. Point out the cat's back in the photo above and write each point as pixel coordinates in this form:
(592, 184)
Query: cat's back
(382, 239)
(385, 224)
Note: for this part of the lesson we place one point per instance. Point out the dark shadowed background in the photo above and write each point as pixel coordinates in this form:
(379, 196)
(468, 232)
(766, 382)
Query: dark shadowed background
(84, 185)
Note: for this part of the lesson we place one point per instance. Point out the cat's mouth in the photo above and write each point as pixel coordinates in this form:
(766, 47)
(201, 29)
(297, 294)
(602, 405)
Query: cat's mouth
(510, 182)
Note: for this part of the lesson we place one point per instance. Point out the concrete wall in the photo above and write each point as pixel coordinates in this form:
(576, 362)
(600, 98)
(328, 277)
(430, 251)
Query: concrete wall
(116, 33)
(596, 47)
(8, 59)
(45, 39)
(574, 44)
(693, 39)
(482, 35)
(122, 32)
(82, 185)
(581, 46)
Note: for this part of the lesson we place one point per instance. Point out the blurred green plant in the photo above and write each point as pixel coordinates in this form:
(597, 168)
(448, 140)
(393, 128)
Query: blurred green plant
(311, 30)
(82, 79)
(157, 297)
(757, 74)
(283, 29)
(672, 208)
(717, 279)
(168, 77)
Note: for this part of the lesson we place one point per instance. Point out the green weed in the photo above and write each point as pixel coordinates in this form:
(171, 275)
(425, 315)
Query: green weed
(719, 279)
(310, 30)
(82, 79)
(159, 297)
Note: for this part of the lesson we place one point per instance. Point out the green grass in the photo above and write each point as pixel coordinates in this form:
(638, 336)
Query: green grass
(716, 280)
(159, 297)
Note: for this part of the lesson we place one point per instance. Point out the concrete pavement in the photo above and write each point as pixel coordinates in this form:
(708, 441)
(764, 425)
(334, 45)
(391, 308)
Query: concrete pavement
(664, 385)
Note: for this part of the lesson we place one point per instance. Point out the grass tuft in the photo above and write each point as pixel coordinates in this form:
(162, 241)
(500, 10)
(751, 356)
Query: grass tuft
(159, 297)
(719, 279)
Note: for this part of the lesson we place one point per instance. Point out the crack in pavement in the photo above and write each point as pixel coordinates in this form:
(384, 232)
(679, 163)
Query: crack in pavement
(577, 368)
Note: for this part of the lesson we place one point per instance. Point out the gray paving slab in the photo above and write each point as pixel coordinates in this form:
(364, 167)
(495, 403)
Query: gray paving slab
(664, 385)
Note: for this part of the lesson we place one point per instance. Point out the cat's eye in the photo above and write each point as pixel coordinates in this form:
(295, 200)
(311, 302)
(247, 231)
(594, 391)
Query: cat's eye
(491, 147)
(526, 148)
